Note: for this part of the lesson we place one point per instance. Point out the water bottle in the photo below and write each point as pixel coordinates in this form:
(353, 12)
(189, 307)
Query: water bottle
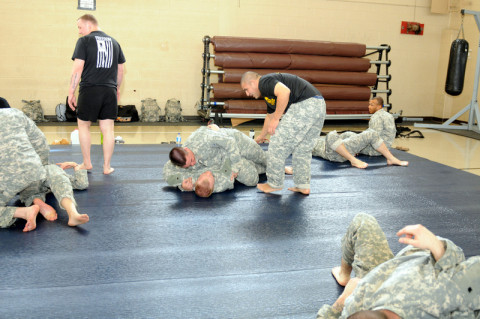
(179, 140)
(74, 137)
(251, 133)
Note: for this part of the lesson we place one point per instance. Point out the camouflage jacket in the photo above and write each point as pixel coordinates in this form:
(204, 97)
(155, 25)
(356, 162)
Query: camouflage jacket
(211, 148)
(24, 149)
(384, 124)
(414, 285)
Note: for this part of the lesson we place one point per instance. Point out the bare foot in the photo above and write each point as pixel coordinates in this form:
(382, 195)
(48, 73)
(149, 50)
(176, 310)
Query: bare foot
(341, 279)
(78, 219)
(108, 171)
(83, 166)
(46, 210)
(304, 191)
(31, 217)
(266, 188)
(396, 161)
(358, 163)
(288, 170)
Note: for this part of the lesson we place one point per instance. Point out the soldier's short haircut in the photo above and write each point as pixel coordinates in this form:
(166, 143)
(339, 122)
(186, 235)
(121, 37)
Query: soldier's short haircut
(379, 100)
(3, 103)
(368, 314)
(89, 18)
(178, 156)
(203, 188)
(249, 76)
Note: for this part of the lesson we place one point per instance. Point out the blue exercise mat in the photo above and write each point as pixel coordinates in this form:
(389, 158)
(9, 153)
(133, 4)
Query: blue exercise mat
(150, 251)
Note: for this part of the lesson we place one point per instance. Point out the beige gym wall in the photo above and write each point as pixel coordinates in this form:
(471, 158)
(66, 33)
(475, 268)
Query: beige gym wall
(162, 42)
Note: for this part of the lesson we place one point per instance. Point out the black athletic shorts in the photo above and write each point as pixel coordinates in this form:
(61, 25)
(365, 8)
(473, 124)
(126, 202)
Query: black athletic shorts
(97, 102)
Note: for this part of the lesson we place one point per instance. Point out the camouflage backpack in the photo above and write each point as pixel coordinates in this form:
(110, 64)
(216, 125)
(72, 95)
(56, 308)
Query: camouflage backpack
(33, 109)
(173, 111)
(150, 111)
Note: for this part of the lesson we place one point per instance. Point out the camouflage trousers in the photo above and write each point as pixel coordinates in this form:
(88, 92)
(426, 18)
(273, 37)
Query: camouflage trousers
(364, 245)
(296, 134)
(254, 160)
(12, 187)
(354, 143)
(249, 171)
(6, 213)
(369, 150)
(250, 150)
(56, 182)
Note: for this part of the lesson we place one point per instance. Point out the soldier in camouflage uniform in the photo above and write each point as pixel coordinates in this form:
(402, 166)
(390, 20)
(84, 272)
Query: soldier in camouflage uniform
(303, 110)
(383, 123)
(24, 152)
(430, 278)
(24, 169)
(61, 185)
(336, 149)
(208, 148)
(212, 149)
(223, 179)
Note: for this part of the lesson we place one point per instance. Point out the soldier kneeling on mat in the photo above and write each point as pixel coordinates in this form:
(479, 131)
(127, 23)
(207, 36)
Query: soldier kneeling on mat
(24, 167)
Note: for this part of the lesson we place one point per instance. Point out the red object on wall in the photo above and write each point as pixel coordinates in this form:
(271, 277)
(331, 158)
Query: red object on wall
(412, 28)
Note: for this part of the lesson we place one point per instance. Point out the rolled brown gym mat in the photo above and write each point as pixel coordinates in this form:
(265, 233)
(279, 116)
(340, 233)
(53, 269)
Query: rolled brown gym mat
(312, 76)
(347, 107)
(248, 60)
(259, 107)
(329, 92)
(260, 45)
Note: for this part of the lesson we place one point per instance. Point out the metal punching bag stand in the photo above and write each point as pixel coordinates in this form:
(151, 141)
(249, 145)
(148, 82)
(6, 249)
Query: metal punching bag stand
(474, 113)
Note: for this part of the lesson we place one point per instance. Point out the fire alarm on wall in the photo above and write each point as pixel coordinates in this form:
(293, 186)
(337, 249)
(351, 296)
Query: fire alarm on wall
(412, 28)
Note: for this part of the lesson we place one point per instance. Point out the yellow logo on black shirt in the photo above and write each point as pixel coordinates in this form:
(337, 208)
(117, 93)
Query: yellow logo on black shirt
(270, 101)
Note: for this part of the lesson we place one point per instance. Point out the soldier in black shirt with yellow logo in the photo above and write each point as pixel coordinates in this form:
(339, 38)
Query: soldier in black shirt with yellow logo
(303, 109)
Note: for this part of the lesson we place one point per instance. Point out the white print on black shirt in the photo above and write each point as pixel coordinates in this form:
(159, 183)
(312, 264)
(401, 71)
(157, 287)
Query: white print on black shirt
(104, 52)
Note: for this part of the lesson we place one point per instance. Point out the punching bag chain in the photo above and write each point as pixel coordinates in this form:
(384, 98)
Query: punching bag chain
(461, 28)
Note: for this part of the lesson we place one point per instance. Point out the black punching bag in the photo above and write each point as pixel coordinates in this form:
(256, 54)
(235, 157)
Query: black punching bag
(456, 67)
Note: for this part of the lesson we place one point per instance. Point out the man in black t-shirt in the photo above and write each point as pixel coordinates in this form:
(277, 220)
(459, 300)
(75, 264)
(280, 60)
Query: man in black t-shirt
(303, 110)
(98, 61)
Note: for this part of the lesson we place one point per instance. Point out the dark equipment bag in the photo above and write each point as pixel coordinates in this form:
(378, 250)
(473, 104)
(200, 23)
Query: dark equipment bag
(70, 115)
(127, 113)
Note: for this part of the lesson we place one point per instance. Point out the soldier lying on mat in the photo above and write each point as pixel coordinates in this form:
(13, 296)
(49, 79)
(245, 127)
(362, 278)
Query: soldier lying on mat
(218, 179)
(344, 147)
(430, 278)
(183, 170)
(61, 185)
(209, 146)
